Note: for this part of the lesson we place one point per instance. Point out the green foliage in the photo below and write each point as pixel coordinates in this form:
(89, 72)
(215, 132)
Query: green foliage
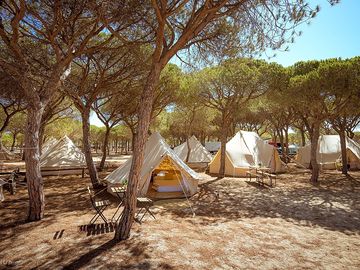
(65, 126)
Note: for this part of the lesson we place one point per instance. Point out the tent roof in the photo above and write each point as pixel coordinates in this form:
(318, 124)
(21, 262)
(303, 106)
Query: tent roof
(212, 146)
(198, 152)
(63, 154)
(155, 150)
(48, 145)
(247, 148)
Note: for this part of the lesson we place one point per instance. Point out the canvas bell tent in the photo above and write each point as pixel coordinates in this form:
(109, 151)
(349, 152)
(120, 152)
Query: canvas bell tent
(5, 154)
(212, 147)
(198, 156)
(247, 149)
(329, 151)
(163, 174)
(64, 156)
(48, 145)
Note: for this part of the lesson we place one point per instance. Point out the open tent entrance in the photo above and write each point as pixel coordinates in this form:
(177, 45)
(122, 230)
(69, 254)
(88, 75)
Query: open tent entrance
(167, 181)
(163, 174)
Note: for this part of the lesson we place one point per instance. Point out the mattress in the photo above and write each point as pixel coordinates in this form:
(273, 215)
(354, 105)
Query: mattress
(169, 189)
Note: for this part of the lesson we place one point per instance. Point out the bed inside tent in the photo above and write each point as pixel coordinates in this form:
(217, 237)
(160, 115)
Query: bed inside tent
(167, 181)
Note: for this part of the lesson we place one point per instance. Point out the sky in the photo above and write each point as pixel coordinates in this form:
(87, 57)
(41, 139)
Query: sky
(334, 32)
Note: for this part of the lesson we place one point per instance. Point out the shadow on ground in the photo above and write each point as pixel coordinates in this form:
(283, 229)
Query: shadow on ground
(333, 204)
(63, 238)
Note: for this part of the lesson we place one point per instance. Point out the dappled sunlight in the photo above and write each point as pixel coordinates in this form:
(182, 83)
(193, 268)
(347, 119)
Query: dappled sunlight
(229, 222)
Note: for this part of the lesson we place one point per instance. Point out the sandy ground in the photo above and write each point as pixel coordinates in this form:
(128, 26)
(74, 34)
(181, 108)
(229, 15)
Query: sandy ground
(230, 224)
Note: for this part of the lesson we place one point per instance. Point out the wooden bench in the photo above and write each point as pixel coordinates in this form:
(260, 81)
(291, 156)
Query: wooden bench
(57, 171)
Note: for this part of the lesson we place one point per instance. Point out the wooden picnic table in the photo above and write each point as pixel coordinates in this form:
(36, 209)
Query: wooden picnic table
(260, 174)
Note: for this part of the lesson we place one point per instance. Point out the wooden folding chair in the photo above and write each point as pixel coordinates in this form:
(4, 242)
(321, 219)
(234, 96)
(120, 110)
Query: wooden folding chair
(99, 207)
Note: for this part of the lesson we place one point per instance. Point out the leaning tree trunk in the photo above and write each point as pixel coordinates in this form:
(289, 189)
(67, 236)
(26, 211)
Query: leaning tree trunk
(223, 139)
(303, 139)
(32, 161)
(85, 114)
(13, 142)
(315, 169)
(281, 138)
(123, 229)
(286, 131)
(104, 148)
(133, 136)
(189, 134)
(188, 150)
(344, 160)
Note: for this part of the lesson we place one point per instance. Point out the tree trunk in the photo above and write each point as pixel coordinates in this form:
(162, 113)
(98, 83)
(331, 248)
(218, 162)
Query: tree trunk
(32, 162)
(313, 161)
(281, 137)
(188, 150)
(133, 134)
(223, 140)
(286, 131)
(303, 139)
(85, 114)
(106, 141)
(342, 135)
(123, 229)
(189, 134)
(1, 144)
(13, 142)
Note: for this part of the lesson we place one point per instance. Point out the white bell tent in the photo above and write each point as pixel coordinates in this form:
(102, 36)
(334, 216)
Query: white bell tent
(163, 174)
(63, 154)
(329, 151)
(247, 149)
(48, 145)
(198, 153)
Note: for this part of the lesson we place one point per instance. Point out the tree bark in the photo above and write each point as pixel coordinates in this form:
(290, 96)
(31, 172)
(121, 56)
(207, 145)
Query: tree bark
(281, 137)
(303, 139)
(13, 142)
(32, 162)
(223, 140)
(188, 150)
(342, 135)
(1, 144)
(133, 134)
(315, 169)
(193, 113)
(286, 131)
(85, 114)
(123, 229)
(104, 148)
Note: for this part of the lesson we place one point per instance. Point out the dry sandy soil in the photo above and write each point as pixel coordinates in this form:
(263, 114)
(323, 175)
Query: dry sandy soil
(236, 225)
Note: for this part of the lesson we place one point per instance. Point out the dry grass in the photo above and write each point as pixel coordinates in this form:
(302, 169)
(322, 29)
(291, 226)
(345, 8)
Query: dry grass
(237, 225)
